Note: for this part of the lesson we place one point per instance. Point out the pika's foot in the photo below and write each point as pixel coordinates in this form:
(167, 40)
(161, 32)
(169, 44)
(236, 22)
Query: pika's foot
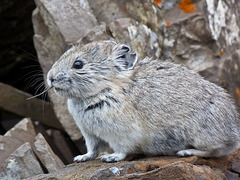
(85, 157)
(193, 152)
(113, 157)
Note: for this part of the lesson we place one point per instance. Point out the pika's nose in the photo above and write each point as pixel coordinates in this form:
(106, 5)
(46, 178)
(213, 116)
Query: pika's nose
(51, 79)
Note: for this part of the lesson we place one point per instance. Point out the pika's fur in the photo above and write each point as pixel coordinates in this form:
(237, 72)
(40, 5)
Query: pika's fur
(150, 107)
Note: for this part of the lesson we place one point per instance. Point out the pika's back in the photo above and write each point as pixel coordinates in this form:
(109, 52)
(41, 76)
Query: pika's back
(176, 92)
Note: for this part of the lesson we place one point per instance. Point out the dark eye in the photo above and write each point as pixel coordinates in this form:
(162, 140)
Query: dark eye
(78, 64)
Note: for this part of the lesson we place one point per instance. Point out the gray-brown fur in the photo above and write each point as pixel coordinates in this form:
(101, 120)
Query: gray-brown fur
(151, 107)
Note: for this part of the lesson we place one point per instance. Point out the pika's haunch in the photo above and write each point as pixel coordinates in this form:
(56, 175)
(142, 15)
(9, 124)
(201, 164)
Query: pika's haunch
(149, 107)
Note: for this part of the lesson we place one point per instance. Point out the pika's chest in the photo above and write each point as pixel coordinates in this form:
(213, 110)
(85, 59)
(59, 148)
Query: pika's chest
(100, 115)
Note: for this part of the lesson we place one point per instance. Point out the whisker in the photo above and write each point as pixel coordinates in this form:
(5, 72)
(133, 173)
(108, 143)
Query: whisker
(27, 58)
(40, 87)
(33, 81)
(37, 80)
(40, 93)
(28, 53)
(32, 74)
(31, 66)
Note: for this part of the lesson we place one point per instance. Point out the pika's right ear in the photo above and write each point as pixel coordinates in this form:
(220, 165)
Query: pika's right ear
(124, 59)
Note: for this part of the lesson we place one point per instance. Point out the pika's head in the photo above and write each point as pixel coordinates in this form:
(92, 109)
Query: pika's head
(84, 71)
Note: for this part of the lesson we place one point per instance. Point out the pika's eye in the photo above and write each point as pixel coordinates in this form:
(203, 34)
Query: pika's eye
(78, 64)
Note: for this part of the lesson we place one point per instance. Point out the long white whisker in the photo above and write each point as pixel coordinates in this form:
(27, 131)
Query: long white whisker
(35, 57)
(40, 93)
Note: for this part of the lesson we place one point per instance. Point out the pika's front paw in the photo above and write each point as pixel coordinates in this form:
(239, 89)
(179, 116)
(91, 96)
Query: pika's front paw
(83, 158)
(113, 157)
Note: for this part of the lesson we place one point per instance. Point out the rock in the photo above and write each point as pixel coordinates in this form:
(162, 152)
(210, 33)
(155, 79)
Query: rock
(99, 32)
(157, 168)
(7, 146)
(230, 77)
(181, 170)
(60, 15)
(21, 133)
(138, 36)
(14, 100)
(108, 10)
(21, 164)
(63, 145)
(231, 176)
(147, 165)
(227, 163)
(46, 155)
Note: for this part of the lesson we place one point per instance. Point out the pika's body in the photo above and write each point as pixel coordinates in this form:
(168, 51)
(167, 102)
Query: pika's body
(150, 107)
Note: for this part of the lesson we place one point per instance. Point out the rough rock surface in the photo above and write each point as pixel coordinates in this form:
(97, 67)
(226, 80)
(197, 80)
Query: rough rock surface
(23, 154)
(46, 155)
(33, 108)
(62, 145)
(21, 133)
(164, 167)
(21, 164)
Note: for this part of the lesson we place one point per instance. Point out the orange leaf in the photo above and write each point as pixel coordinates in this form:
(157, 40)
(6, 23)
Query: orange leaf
(186, 6)
(221, 52)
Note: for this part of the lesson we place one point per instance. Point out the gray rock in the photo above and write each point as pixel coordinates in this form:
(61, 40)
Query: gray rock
(21, 164)
(167, 168)
(108, 10)
(59, 15)
(21, 133)
(140, 37)
(14, 101)
(44, 152)
(231, 175)
(62, 144)
(99, 32)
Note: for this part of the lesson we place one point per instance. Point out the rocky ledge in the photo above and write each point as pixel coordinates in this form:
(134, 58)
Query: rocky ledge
(25, 154)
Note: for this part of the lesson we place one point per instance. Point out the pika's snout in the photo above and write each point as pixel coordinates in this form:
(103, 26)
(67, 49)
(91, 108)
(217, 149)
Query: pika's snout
(56, 79)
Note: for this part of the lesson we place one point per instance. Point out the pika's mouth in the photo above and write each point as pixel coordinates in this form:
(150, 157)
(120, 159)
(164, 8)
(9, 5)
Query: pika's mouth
(57, 89)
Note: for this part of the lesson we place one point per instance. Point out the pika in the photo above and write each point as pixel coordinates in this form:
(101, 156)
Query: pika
(142, 106)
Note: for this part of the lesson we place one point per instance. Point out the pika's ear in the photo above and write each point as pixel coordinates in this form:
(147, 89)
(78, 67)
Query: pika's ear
(124, 59)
